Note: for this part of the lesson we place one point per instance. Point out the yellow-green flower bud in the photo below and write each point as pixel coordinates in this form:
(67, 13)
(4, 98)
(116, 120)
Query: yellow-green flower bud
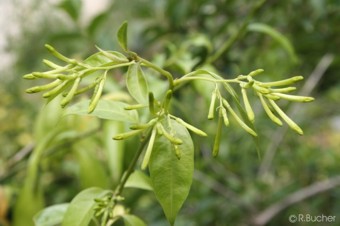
(190, 127)
(240, 122)
(48, 86)
(171, 138)
(217, 140)
(282, 82)
(260, 89)
(123, 136)
(269, 112)
(97, 94)
(293, 98)
(225, 116)
(148, 151)
(249, 110)
(256, 72)
(71, 93)
(290, 122)
(212, 105)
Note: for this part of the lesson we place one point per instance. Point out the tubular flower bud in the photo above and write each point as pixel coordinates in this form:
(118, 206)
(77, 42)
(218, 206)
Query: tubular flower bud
(269, 112)
(282, 82)
(290, 122)
(294, 98)
(190, 127)
(123, 136)
(217, 141)
(212, 105)
(149, 149)
(48, 86)
(240, 122)
(249, 110)
(71, 93)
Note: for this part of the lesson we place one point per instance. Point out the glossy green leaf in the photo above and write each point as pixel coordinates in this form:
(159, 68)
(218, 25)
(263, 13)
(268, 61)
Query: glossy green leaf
(122, 35)
(106, 109)
(277, 36)
(172, 177)
(137, 84)
(80, 210)
(140, 180)
(50, 216)
(132, 220)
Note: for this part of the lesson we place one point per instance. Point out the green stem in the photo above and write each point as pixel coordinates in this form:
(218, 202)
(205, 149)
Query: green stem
(160, 70)
(229, 43)
(131, 167)
(177, 82)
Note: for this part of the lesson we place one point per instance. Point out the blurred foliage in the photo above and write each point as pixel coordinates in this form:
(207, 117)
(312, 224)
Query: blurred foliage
(226, 189)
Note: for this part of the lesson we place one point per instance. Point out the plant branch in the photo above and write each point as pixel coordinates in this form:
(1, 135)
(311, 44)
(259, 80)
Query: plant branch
(131, 167)
(265, 216)
(160, 70)
(229, 43)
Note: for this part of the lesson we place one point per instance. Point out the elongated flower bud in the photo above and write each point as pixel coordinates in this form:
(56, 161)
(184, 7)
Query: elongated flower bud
(58, 89)
(144, 126)
(256, 72)
(290, 122)
(240, 122)
(29, 76)
(294, 98)
(225, 116)
(282, 82)
(269, 112)
(48, 86)
(178, 152)
(71, 93)
(59, 55)
(51, 64)
(261, 89)
(217, 140)
(249, 110)
(97, 94)
(171, 138)
(148, 151)
(283, 90)
(151, 103)
(212, 105)
(134, 107)
(167, 100)
(123, 136)
(190, 127)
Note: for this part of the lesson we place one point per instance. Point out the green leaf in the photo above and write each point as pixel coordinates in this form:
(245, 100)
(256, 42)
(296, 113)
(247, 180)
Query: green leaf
(50, 216)
(140, 180)
(136, 84)
(122, 35)
(80, 210)
(132, 220)
(105, 58)
(106, 109)
(285, 43)
(172, 177)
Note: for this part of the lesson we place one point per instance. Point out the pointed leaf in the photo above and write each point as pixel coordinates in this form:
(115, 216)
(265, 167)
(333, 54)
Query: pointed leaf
(172, 177)
(80, 210)
(140, 180)
(136, 84)
(106, 109)
(50, 216)
(132, 220)
(122, 35)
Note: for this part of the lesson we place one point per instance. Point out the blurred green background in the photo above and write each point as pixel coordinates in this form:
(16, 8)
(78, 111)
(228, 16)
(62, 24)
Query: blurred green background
(235, 187)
